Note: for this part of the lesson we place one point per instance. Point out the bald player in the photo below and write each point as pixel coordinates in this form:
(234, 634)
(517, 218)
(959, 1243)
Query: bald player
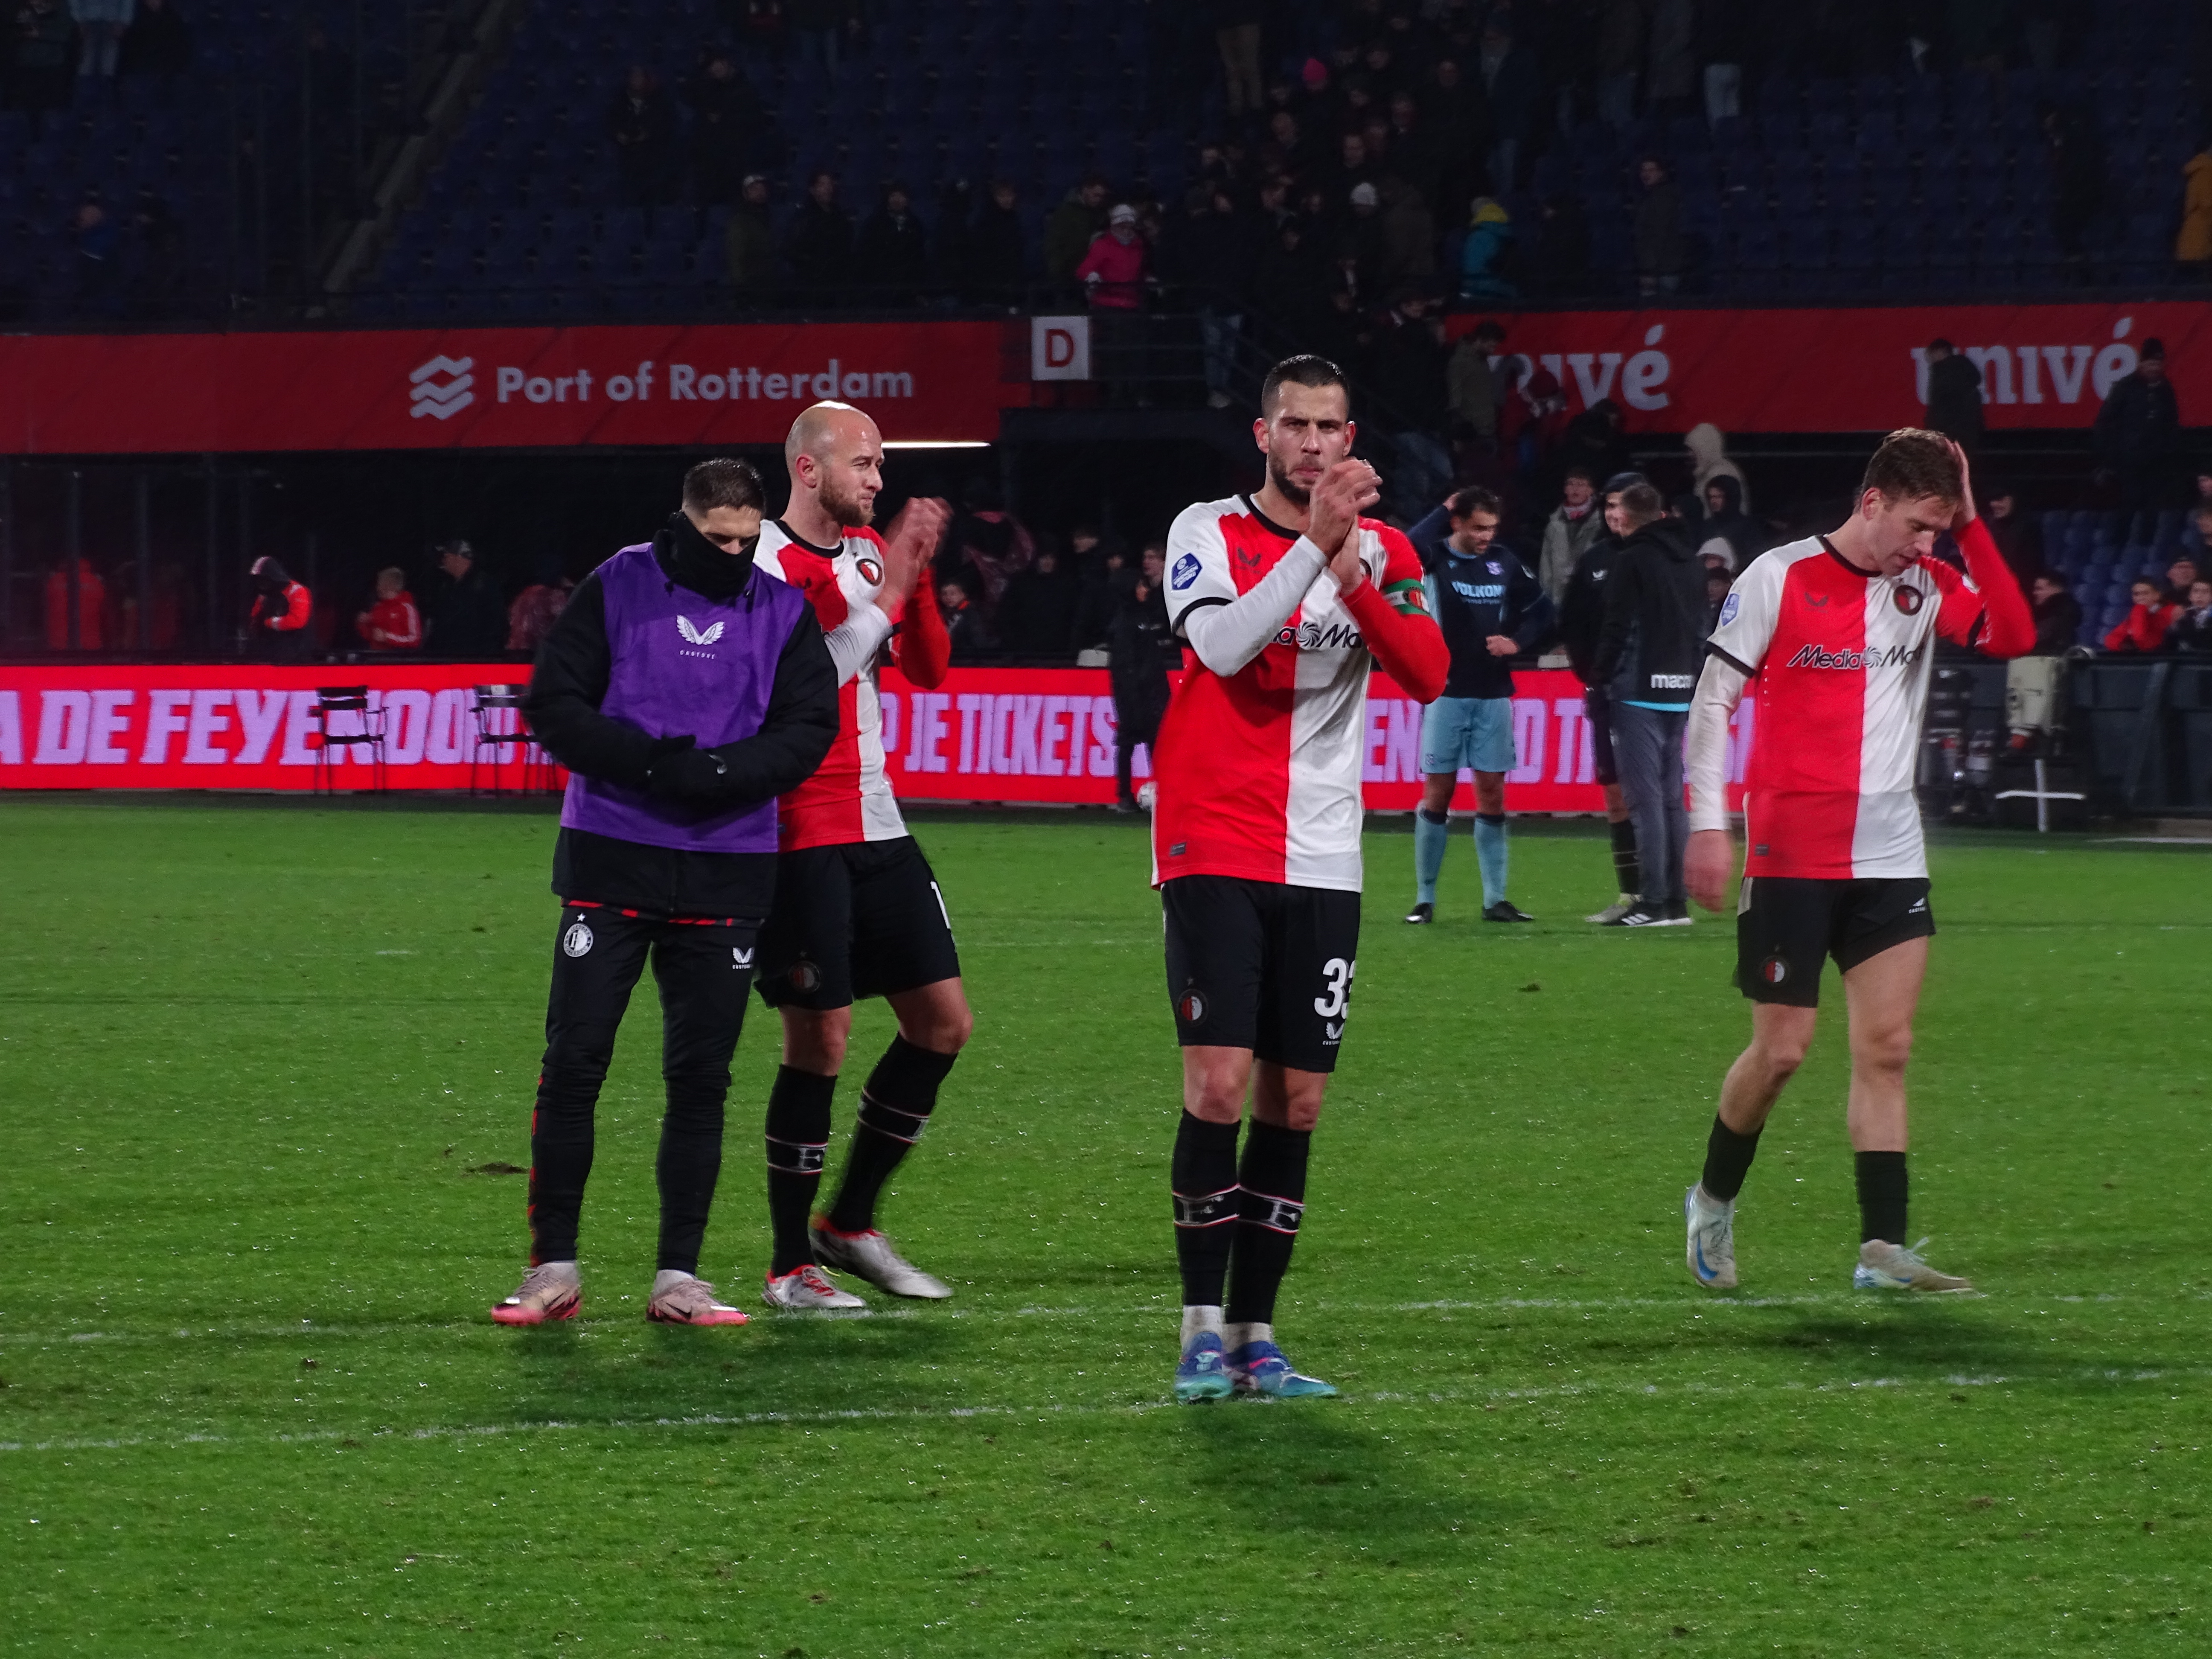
(858, 912)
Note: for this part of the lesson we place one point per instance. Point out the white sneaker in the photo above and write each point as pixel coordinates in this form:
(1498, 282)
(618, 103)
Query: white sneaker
(1884, 1266)
(1614, 911)
(805, 1287)
(869, 1255)
(1711, 1247)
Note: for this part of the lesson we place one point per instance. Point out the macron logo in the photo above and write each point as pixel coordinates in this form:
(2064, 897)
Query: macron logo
(696, 636)
(441, 388)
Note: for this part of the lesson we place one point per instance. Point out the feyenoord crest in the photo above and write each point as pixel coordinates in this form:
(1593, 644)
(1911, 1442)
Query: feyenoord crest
(871, 572)
(576, 939)
(1774, 970)
(804, 976)
(1190, 1007)
(1906, 599)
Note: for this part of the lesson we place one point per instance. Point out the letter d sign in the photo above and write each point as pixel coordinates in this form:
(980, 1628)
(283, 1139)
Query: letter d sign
(1059, 348)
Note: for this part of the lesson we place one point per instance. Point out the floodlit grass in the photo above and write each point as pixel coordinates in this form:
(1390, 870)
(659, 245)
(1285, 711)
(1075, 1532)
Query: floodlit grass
(255, 1060)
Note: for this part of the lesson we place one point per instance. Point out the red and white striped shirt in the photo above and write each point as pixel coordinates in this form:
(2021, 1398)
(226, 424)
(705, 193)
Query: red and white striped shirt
(849, 796)
(1258, 770)
(1842, 658)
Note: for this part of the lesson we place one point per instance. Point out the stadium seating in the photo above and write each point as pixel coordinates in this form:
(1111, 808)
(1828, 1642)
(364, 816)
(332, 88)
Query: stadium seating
(1938, 185)
(191, 145)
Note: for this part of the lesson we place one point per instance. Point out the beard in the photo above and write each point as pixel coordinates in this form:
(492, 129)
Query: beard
(844, 503)
(1288, 488)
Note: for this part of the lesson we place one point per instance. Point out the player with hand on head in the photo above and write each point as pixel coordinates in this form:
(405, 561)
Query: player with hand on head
(1838, 632)
(857, 911)
(1491, 609)
(1284, 599)
(684, 689)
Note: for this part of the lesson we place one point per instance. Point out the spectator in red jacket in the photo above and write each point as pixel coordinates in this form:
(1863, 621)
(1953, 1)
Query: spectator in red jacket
(1113, 272)
(2143, 631)
(91, 607)
(393, 622)
(535, 609)
(277, 627)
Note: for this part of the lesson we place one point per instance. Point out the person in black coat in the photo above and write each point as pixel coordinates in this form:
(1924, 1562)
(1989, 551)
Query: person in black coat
(2138, 432)
(643, 124)
(1954, 394)
(819, 241)
(467, 618)
(721, 105)
(2192, 630)
(1140, 651)
(2058, 616)
(1648, 655)
(1038, 613)
(997, 245)
(892, 257)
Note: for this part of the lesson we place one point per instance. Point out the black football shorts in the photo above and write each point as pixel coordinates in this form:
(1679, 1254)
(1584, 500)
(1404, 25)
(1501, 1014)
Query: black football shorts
(1260, 965)
(1785, 926)
(861, 920)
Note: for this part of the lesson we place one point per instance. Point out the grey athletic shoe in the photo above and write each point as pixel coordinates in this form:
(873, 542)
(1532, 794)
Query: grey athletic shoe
(1612, 912)
(804, 1288)
(688, 1300)
(869, 1255)
(1885, 1267)
(551, 1289)
(1711, 1247)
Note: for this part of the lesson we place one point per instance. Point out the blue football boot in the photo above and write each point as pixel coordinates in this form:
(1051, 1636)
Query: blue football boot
(1200, 1375)
(1259, 1368)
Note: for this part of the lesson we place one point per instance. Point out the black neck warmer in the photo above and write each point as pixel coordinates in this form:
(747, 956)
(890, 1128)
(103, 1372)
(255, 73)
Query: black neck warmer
(689, 559)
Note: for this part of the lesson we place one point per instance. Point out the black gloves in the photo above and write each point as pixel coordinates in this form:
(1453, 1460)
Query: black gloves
(680, 770)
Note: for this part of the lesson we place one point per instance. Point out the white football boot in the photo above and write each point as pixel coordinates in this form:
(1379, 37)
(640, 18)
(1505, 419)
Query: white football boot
(869, 1255)
(805, 1288)
(1711, 1247)
(1884, 1266)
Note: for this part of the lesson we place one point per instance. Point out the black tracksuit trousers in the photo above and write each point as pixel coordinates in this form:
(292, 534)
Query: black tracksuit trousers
(703, 969)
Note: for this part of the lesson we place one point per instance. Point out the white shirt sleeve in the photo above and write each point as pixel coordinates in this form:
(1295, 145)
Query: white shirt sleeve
(1227, 629)
(1720, 687)
(854, 641)
(1750, 613)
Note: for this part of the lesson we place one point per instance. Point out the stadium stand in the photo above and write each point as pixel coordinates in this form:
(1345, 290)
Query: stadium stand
(1992, 181)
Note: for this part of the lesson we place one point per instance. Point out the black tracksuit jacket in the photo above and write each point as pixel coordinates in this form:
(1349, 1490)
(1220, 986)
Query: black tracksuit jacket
(570, 682)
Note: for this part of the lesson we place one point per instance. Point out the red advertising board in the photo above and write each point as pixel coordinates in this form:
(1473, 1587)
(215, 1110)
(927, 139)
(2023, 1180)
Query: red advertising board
(1012, 736)
(1861, 369)
(493, 387)
(1809, 370)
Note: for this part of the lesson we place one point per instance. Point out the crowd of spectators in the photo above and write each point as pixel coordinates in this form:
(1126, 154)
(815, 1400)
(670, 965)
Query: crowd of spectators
(1367, 149)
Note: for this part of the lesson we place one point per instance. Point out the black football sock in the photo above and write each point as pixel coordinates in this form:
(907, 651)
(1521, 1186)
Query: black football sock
(1626, 870)
(1727, 1160)
(895, 1103)
(1203, 1179)
(1881, 1196)
(1271, 1202)
(798, 1137)
(687, 1168)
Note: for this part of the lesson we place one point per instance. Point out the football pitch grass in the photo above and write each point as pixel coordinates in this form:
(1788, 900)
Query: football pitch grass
(262, 1069)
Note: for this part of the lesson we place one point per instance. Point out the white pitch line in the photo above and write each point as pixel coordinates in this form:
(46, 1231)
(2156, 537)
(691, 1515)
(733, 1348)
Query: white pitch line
(1044, 1413)
(309, 1331)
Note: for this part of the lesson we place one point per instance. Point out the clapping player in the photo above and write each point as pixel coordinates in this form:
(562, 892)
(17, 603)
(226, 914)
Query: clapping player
(857, 911)
(1284, 599)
